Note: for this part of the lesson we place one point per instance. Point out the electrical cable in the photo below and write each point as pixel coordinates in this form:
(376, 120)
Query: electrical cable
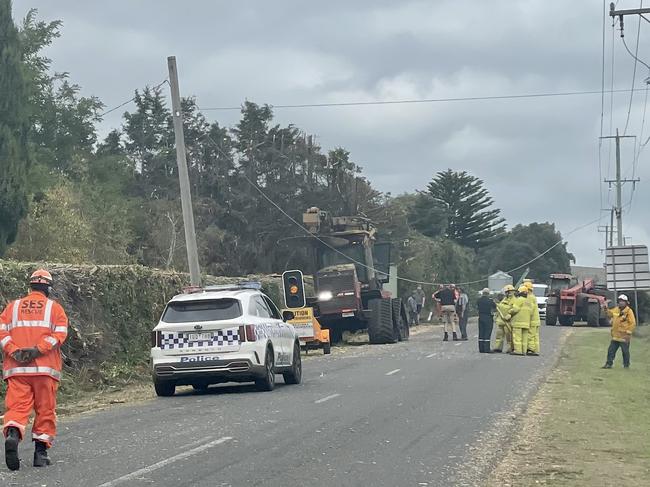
(431, 100)
(129, 100)
(602, 113)
(631, 54)
(636, 53)
(404, 279)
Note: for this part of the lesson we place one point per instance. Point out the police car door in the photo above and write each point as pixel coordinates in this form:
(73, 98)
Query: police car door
(268, 326)
(286, 331)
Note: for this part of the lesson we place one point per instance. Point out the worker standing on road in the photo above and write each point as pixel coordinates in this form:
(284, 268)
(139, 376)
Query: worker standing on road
(623, 324)
(533, 333)
(420, 298)
(504, 320)
(447, 299)
(32, 330)
(411, 305)
(486, 309)
(522, 315)
(462, 309)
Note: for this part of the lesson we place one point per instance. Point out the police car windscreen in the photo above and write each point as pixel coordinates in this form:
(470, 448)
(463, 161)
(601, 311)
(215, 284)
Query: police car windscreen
(213, 310)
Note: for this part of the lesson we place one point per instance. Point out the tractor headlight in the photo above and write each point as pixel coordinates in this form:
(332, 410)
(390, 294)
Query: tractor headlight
(325, 295)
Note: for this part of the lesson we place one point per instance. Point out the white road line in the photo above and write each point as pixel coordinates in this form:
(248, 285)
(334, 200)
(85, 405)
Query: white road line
(458, 344)
(327, 398)
(432, 355)
(393, 372)
(163, 463)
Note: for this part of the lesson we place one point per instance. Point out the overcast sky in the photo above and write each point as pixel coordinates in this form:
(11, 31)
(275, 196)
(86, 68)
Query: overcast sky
(538, 157)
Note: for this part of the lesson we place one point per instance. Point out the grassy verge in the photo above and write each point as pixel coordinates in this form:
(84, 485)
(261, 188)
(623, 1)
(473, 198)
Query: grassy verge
(586, 426)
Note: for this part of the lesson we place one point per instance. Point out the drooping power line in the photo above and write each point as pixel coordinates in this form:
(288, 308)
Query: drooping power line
(433, 100)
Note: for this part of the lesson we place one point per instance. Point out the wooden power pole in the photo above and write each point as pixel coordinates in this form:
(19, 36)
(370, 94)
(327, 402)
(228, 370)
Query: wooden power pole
(183, 176)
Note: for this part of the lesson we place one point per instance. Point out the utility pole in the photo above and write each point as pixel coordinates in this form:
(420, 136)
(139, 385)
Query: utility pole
(618, 209)
(183, 176)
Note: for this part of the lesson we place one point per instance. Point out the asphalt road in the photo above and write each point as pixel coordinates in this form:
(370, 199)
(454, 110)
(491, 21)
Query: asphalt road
(415, 413)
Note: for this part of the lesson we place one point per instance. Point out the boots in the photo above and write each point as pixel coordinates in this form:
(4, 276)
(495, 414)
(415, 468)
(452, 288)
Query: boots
(456, 337)
(446, 337)
(40, 455)
(11, 448)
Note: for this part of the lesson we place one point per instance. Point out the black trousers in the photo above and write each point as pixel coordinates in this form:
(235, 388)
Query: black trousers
(613, 348)
(462, 323)
(485, 325)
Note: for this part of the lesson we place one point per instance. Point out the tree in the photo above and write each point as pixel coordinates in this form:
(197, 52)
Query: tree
(523, 244)
(427, 215)
(14, 129)
(471, 220)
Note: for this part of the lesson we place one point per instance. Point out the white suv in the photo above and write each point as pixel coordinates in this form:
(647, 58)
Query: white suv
(223, 334)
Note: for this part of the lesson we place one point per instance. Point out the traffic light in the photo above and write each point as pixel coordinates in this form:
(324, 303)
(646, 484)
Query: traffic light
(294, 289)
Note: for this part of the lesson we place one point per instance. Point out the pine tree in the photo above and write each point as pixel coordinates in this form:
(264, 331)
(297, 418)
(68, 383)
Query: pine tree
(472, 222)
(14, 129)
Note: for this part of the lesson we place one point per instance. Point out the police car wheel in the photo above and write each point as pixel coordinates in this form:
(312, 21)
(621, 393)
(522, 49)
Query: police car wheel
(267, 383)
(295, 375)
(164, 388)
(200, 387)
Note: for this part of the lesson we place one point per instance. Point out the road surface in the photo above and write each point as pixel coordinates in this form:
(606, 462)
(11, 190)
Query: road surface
(417, 413)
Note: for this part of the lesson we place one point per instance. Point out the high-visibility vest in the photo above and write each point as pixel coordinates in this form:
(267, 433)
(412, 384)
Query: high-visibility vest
(33, 321)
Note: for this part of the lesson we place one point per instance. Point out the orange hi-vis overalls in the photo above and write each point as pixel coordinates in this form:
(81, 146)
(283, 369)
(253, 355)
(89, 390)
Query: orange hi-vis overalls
(33, 321)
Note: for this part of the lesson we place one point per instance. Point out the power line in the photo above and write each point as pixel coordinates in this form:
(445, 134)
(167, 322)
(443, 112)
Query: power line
(432, 100)
(633, 55)
(129, 100)
(602, 113)
(636, 53)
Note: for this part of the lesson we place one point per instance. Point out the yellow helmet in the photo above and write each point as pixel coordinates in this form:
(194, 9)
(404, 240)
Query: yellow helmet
(523, 289)
(529, 284)
(509, 288)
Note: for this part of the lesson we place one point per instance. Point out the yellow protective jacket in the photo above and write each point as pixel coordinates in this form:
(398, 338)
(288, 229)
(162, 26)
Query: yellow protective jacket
(504, 311)
(623, 323)
(532, 299)
(522, 312)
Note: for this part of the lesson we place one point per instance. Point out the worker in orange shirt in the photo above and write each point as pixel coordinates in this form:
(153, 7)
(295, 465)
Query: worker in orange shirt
(32, 330)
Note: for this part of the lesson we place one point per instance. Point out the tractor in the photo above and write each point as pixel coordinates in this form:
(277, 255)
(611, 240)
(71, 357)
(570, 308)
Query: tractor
(580, 302)
(350, 271)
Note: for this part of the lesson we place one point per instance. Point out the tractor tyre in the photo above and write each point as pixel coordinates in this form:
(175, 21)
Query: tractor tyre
(593, 314)
(604, 321)
(551, 316)
(400, 325)
(380, 324)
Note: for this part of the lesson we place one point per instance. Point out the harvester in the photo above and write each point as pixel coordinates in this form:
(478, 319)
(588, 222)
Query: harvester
(580, 302)
(351, 269)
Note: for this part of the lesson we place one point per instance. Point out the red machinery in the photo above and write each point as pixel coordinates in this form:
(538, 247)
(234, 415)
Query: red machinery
(582, 302)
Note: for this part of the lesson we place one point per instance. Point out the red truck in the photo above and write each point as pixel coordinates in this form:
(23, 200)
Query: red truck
(581, 302)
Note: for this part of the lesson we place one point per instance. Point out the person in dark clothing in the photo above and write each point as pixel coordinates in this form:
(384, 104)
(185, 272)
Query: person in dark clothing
(486, 309)
(447, 299)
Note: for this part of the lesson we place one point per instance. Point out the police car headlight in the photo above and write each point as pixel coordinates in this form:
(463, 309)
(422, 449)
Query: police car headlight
(325, 296)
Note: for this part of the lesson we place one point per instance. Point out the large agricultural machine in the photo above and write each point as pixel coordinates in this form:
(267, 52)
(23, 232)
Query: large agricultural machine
(351, 269)
(580, 302)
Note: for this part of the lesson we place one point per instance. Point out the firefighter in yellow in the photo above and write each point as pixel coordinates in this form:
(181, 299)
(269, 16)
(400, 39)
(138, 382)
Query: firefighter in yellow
(533, 333)
(623, 325)
(522, 315)
(504, 320)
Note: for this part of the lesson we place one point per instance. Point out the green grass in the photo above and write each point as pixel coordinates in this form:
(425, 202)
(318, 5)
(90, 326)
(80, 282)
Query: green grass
(589, 426)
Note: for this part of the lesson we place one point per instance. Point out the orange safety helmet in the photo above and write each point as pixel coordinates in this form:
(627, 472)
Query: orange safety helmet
(41, 276)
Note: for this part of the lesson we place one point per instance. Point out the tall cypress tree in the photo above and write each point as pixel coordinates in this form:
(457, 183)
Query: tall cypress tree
(472, 221)
(14, 129)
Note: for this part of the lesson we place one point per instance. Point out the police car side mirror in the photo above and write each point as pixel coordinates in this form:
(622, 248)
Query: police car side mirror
(288, 315)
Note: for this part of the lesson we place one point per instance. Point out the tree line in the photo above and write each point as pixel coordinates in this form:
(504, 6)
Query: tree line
(69, 195)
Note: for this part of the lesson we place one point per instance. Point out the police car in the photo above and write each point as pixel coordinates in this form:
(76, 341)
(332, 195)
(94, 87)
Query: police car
(223, 334)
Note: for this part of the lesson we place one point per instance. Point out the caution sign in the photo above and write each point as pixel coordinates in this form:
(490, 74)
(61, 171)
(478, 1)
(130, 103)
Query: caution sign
(303, 322)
